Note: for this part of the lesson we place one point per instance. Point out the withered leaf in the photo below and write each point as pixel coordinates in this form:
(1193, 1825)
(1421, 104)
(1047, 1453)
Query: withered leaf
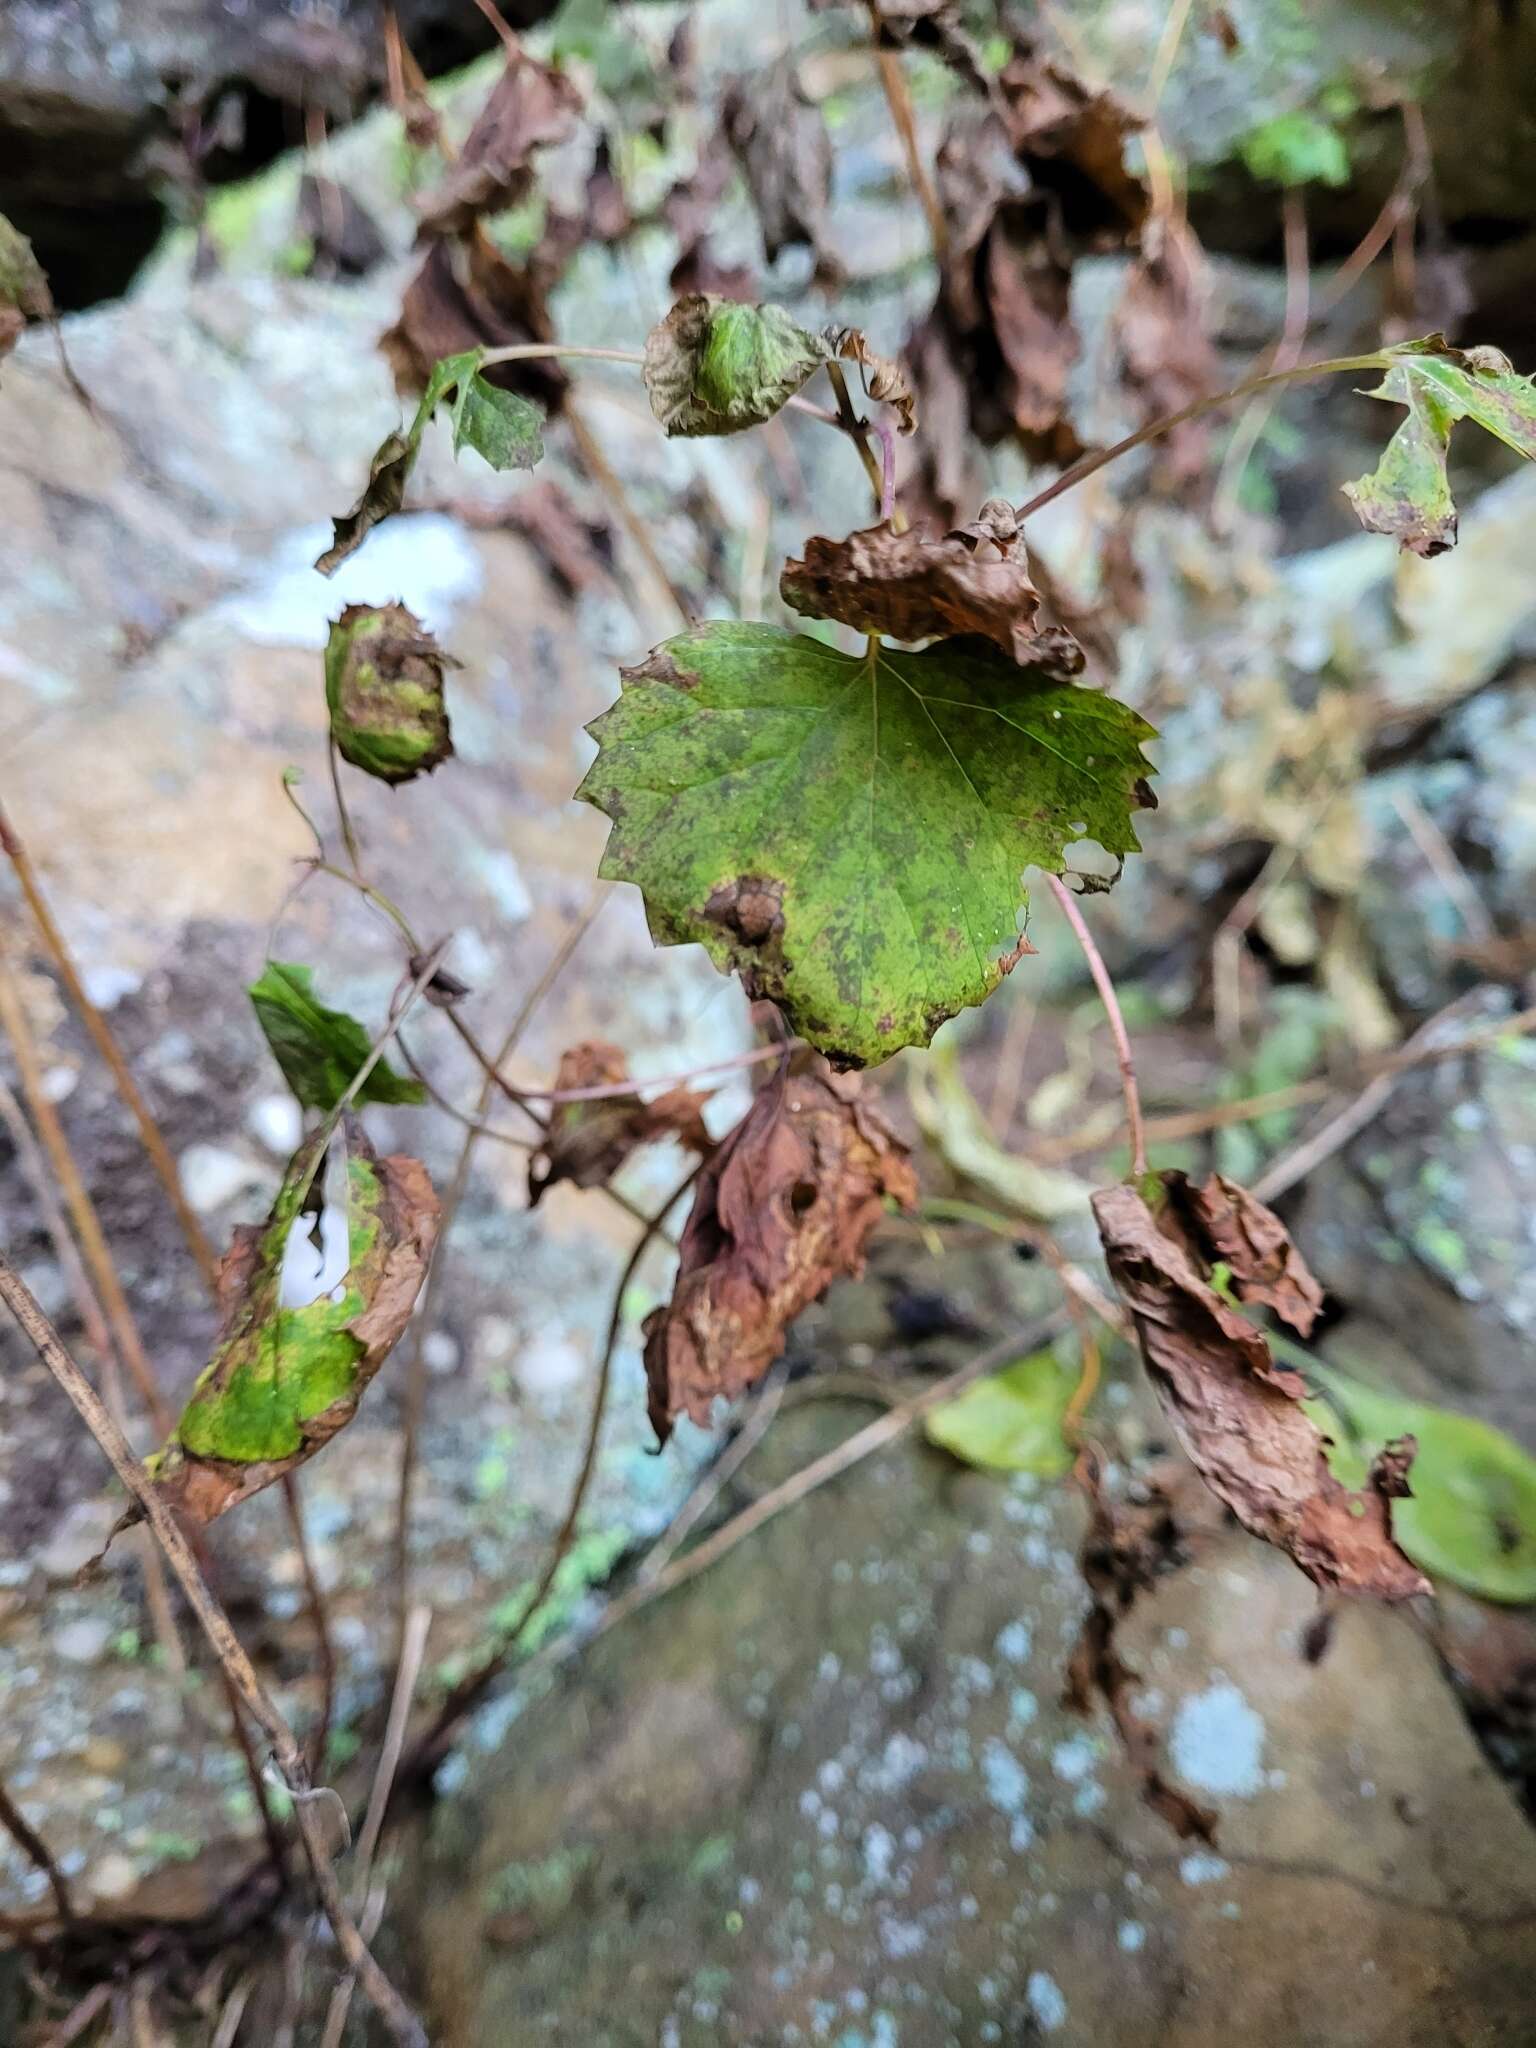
(306, 1325)
(587, 1142)
(883, 378)
(1168, 358)
(1057, 124)
(690, 210)
(781, 143)
(918, 586)
(784, 1208)
(530, 107)
(1248, 1238)
(24, 293)
(577, 550)
(1237, 1413)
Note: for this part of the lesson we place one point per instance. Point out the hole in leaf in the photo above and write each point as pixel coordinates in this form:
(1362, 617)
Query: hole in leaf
(802, 1196)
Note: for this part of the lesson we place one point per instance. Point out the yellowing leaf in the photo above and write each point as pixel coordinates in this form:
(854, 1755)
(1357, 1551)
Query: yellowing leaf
(849, 832)
(1408, 494)
(1010, 1421)
(293, 1358)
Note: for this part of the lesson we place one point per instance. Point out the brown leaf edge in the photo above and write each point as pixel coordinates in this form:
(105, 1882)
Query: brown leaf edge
(200, 1489)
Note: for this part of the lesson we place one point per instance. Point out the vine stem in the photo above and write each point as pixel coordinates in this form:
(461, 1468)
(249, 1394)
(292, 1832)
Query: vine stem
(1089, 465)
(227, 1648)
(1111, 1002)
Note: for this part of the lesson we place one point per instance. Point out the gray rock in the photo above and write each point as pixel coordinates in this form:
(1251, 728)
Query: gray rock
(828, 1792)
(84, 1640)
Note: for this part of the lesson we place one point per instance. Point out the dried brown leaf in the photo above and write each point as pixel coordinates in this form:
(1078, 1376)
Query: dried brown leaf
(883, 379)
(467, 295)
(1247, 1236)
(1127, 1547)
(1057, 124)
(917, 586)
(1168, 358)
(784, 1208)
(578, 550)
(785, 153)
(530, 107)
(587, 1142)
(1238, 1414)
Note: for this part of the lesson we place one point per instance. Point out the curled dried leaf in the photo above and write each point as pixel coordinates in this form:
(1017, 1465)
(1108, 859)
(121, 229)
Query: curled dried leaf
(919, 586)
(587, 1142)
(784, 1208)
(1058, 123)
(1237, 1413)
(530, 107)
(883, 378)
(384, 691)
(314, 1300)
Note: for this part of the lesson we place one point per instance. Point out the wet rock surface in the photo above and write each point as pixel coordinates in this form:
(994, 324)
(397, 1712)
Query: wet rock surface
(829, 1792)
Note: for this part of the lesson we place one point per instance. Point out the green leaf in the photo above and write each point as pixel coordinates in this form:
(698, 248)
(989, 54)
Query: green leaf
(848, 832)
(1297, 149)
(715, 367)
(319, 1049)
(1010, 1421)
(1472, 1514)
(307, 1323)
(497, 424)
(500, 425)
(1408, 494)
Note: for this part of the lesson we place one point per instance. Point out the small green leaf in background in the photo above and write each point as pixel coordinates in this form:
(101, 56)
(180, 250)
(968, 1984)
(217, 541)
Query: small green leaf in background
(849, 832)
(1408, 494)
(951, 1119)
(1472, 1514)
(497, 424)
(1297, 149)
(319, 1049)
(1010, 1421)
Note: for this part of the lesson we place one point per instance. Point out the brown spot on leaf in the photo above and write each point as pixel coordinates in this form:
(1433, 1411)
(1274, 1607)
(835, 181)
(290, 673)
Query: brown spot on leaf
(752, 908)
(757, 1249)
